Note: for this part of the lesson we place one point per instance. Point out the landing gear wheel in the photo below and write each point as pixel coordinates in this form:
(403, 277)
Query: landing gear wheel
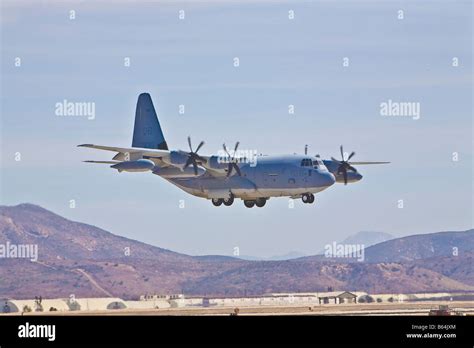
(311, 198)
(229, 201)
(306, 198)
(260, 202)
(249, 204)
(217, 201)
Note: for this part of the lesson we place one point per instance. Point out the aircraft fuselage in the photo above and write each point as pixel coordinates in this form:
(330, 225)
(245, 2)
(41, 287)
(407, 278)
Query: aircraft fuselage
(270, 176)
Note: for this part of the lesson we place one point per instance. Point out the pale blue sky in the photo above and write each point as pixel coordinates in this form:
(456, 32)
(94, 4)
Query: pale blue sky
(282, 62)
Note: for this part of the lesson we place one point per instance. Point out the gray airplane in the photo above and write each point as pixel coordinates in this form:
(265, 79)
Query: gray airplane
(230, 174)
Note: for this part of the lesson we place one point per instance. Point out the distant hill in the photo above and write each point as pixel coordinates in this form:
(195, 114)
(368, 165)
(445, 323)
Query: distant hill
(58, 237)
(421, 246)
(460, 268)
(368, 238)
(73, 257)
(260, 277)
(80, 259)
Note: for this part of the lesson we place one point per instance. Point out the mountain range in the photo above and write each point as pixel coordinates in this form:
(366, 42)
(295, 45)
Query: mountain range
(80, 259)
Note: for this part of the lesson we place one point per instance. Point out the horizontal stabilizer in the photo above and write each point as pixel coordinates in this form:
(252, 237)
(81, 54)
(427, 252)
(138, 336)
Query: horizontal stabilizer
(146, 152)
(103, 162)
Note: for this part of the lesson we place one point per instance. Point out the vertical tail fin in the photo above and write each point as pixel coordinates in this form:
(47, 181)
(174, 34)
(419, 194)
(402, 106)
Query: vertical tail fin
(147, 131)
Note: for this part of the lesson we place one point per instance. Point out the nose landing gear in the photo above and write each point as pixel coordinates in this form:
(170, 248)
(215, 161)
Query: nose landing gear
(307, 198)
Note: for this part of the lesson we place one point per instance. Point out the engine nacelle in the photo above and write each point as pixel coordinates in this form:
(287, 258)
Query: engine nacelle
(140, 165)
(178, 158)
(351, 177)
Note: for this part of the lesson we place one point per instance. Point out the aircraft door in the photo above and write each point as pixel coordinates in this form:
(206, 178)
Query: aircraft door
(294, 177)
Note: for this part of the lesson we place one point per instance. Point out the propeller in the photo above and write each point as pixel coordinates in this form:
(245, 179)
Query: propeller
(232, 163)
(193, 157)
(344, 165)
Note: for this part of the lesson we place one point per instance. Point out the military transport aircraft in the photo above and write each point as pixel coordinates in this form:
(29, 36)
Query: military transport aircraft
(227, 176)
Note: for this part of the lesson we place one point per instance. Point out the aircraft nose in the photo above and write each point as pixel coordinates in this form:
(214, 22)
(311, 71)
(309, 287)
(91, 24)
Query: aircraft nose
(358, 176)
(330, 179)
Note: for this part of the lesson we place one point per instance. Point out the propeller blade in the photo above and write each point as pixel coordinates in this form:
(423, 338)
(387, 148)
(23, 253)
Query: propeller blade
(236, 146)
(342, 153)
(193, 157)
(345, 176)
(350, 156)
(237, 169)
(229, 169)
(189, 143)
(225, 149)
(335, 160)
(199, 146)
(188, 162)
(232, 162)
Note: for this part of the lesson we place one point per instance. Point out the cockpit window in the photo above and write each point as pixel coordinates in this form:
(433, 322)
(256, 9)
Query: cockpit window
(306, 162)
(318, 163)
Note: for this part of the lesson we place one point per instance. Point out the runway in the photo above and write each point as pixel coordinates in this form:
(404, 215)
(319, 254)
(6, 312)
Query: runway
(371, 309)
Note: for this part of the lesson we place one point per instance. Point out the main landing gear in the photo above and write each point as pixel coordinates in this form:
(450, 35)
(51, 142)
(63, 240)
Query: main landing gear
(217, 201)
(259, 202)
(249, 203)
(227, 201)
(307, 198)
